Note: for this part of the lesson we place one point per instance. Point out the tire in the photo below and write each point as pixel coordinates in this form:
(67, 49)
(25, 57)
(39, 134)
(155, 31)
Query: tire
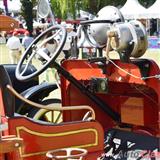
(46, 115)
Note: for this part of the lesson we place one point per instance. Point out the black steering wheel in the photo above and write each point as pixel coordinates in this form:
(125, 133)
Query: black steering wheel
(55, 36)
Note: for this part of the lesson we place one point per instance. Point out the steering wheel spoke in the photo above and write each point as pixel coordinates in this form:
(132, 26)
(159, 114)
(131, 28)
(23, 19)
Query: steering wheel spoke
(25, 69)
(54, 36)
(43, 54)
(28, 62)
(48, 39)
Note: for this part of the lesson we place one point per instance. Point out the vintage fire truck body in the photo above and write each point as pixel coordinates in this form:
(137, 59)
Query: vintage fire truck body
(110, 107)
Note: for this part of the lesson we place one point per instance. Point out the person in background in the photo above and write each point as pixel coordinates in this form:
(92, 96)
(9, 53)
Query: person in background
(27, 40)
(2, 39)
(70, 35)
(38, 31)
(15, 47)
(49, 47)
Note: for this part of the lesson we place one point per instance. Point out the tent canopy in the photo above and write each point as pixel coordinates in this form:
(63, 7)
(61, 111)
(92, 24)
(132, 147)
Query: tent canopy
(132, 9)
(13, 6)
(154, 10)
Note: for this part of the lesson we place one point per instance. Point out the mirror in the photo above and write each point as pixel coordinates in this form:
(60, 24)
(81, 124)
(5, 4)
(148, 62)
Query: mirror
(43, 8)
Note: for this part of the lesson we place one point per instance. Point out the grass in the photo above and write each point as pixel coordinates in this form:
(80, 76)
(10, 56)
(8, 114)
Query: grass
(150, 53)
(46, 76)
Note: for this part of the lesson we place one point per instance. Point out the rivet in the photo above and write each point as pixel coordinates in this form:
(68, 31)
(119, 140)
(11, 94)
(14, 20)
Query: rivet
(16, 145)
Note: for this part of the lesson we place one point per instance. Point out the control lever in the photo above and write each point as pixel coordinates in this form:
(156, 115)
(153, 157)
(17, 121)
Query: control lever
(87, 22)
(97, 59)
(101, 62)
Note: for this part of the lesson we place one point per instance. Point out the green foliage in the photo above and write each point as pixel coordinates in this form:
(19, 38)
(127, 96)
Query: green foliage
(72, 8)
(55, 5)
(27, 13)
(96, 5)
(1, 11)
(65, 8)
(147, 3)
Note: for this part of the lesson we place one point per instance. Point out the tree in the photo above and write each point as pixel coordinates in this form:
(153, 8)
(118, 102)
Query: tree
(147, 3)
(65, 8)
(95, 5)
(55, 5)
(27, 13)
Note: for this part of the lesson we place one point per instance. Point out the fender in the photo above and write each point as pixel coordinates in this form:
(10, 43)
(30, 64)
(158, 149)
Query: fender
(37, 94)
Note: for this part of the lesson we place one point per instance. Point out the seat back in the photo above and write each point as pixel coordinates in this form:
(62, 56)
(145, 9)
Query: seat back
(6, 97)
(39, 137)
(20, 86)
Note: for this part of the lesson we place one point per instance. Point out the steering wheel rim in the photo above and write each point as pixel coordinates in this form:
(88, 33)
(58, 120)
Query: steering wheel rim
(50, 154)
(20, 73)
